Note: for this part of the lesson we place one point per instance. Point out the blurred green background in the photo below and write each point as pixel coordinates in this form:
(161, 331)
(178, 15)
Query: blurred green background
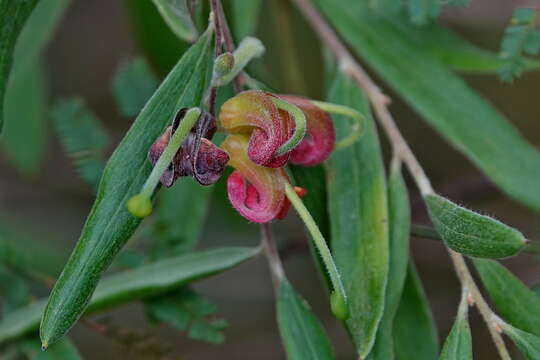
(47, 209)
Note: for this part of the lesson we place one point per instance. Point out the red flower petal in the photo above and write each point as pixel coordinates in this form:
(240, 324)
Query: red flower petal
(320, 136)
(255, 191)
(253, 112)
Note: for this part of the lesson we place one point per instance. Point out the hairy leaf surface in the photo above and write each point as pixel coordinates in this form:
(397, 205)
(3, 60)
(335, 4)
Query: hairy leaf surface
(357, 202)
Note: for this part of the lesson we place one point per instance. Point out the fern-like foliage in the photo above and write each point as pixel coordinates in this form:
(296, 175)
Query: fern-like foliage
(190, 312)
(82, 136)
(419, 12)
(133, 85)
(521, 37)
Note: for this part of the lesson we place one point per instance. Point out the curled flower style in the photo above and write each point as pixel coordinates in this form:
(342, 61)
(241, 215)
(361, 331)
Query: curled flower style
(253, 112)
(320, 137)
(255, 191)
(197, 157)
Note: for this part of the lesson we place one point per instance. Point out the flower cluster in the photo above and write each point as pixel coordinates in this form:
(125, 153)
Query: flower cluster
(265, 132)
(258, 130)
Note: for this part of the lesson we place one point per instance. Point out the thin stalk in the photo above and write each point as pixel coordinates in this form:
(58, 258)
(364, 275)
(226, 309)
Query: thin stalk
(140, 205)
(495, 324)
(319, 242)
(299, 125)
(380, 102)
(272, 255)
(358, 127)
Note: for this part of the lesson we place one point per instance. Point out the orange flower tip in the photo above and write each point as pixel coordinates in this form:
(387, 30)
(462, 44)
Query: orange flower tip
(140, 205)
(300, 191)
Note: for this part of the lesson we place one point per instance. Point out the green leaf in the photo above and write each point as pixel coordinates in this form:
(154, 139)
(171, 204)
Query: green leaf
(514, 301)
(63, 350)
(528, 344)
(245, 17)
(109, 224)
(144, 282)
(187, 200)
(15, 13)
(415, 334)
(421, 11)
(458, 344)
(470, 233)
(357, 201)
(467, 120)
(399, 215)
(301, 332)
(82, 136)
(176, 14)
(25, 112)
(188, 311)
(133, 84)
(445, 46)
(148, 25)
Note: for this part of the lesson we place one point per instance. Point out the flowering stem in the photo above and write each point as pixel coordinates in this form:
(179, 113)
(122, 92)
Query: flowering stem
(140, 205)
(299, 125)
(380, 102)
(358, 127)
(339, 295)
(248, 49)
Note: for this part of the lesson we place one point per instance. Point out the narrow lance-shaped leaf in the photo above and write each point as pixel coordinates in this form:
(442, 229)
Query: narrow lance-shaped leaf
(133, 85)
(144, 282)
(245, 17)
(415, 334)
(450, 49)
(82, 136)
(25, 111)
(470, 233)
(301, 333)
(14, 14)
(357, 202)
(26, 96)
(468, 121)
(514, 301)
(400, 222)
(527, 343)
(458, 344)
(177, 15)
(109, 224)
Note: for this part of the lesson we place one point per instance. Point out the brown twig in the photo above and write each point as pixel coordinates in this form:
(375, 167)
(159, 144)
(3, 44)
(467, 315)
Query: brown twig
(380, 102)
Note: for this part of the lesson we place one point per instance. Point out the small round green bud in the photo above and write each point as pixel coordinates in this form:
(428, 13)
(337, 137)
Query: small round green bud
(338, 306)
(140, 205)
(224, 63)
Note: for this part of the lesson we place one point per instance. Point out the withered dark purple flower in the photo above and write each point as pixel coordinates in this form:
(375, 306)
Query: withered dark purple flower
(197, 157)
